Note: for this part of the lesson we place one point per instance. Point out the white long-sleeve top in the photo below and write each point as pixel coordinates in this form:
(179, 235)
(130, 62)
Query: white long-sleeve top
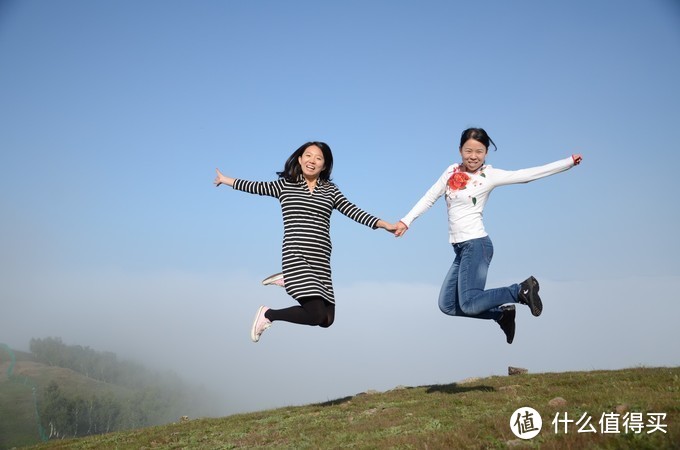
(466, 202)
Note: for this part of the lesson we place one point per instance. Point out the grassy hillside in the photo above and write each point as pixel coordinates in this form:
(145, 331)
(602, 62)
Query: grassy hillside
(18, 424)
(18, 415)
(471, 414)
(39, 400)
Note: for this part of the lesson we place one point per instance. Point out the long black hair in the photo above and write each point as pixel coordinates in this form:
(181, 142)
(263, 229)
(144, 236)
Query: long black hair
(478, 134)
(292, 169)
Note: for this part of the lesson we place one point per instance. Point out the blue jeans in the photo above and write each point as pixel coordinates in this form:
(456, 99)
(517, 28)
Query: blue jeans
(463, 293)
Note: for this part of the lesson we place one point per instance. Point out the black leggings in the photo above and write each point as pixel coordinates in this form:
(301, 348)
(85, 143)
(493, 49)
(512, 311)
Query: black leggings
(313, 311)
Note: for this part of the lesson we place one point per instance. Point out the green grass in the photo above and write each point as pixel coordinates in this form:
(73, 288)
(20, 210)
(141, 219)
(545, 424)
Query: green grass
(18, 418)
(471, 415)
(18, 425)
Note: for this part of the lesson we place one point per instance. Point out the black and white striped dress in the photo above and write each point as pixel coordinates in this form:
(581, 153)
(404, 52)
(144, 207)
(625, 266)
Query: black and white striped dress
(306, 257)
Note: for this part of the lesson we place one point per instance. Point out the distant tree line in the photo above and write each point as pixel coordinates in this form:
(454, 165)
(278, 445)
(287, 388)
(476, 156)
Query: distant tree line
(65, 415)
(102, 366)
(133, 397)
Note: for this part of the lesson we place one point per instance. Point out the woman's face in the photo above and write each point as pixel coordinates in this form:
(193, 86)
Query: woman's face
(473, 153)
(312, 162)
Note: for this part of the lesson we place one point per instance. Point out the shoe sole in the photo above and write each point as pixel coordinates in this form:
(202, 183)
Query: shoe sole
(535, 303)
(513, 314)
(254, 337)
(272, 279)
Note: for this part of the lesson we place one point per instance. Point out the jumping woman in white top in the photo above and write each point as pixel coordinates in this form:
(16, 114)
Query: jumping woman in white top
(467, 186)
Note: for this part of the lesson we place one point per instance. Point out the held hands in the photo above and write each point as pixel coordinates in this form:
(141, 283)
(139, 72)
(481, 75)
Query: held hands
(401, 229)
(577, 158)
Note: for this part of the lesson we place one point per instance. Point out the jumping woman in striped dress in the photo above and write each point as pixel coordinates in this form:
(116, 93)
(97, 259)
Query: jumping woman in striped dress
(307, 197)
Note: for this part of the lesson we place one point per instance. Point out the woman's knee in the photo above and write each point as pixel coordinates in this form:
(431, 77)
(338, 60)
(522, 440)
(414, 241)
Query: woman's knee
(329, 316)
(328, 322)
(448, 308)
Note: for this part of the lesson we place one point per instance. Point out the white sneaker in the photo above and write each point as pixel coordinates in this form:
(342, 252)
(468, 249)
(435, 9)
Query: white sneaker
(260, 324)
(276, 279)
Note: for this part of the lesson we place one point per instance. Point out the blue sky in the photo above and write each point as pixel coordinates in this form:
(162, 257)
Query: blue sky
(114, 115)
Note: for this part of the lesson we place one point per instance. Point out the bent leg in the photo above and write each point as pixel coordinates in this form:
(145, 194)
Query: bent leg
(312, 311)
(448, 294)
(475, 301)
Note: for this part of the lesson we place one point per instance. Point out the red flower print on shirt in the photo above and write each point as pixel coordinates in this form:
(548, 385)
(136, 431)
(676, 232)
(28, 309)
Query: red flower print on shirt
(458, 180)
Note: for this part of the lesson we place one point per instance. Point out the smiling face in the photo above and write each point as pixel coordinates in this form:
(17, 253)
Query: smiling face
(312, 162)
(473, 153)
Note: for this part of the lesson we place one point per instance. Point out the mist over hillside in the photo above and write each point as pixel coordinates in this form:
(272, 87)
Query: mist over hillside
(58, 391)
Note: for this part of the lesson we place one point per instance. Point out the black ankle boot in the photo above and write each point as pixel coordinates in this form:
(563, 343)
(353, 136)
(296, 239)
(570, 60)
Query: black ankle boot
(528, 295)
(507, 322)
